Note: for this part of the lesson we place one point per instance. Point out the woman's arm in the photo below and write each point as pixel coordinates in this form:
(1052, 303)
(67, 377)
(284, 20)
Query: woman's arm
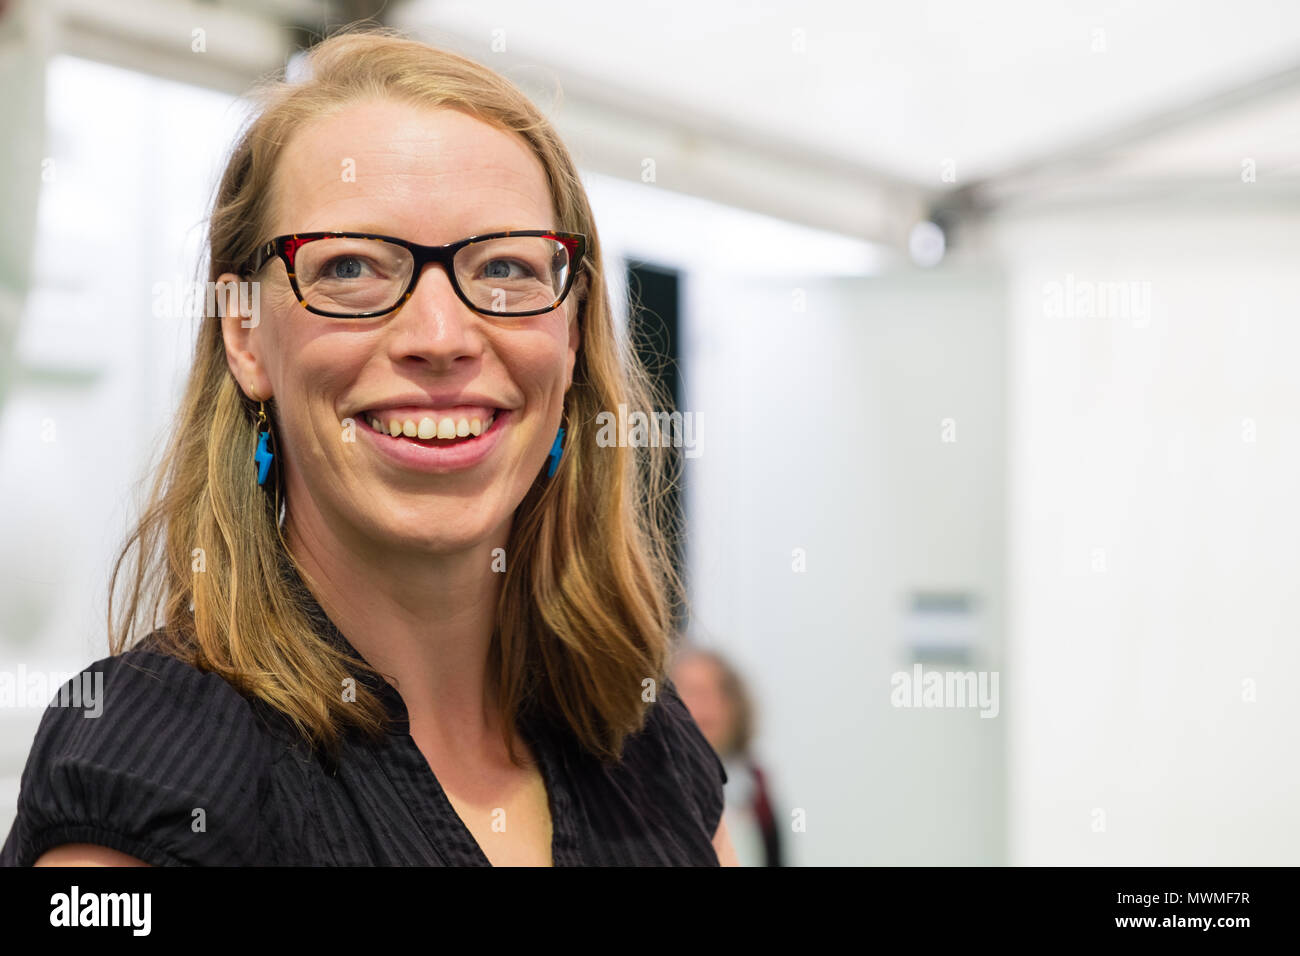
(85, 854)
(722, 844)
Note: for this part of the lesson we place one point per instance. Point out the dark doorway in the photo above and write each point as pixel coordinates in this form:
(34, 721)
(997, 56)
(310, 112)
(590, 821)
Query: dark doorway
(654, 326)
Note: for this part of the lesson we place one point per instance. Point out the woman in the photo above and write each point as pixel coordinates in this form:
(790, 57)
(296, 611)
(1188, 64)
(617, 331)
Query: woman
(720, 703)
(391, 441)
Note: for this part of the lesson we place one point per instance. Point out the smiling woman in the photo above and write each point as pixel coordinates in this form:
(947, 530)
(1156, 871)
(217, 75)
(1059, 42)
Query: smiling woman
(395, 445)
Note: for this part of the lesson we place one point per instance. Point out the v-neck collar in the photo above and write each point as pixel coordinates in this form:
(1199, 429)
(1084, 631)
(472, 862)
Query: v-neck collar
(540, 733)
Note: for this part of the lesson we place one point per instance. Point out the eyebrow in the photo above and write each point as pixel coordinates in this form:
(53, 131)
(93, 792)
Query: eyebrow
(385, 231)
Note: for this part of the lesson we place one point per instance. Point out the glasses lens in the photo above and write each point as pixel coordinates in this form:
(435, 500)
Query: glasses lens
(514, 273)
(351, 276)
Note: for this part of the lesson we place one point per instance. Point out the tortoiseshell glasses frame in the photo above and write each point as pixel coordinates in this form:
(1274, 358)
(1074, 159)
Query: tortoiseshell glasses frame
(286, 249)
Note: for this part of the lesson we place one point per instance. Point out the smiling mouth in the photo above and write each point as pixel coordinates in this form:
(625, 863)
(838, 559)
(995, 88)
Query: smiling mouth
(432, 432)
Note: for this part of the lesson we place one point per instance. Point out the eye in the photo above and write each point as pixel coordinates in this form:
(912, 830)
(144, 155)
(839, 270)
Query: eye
(500, 269)
(343, 267)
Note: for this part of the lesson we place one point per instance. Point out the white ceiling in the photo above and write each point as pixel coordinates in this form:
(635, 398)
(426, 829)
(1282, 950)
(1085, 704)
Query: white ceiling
(842, 116)
(899, 88)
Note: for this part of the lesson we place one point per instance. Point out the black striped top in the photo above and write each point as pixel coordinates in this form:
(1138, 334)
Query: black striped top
(180, 769)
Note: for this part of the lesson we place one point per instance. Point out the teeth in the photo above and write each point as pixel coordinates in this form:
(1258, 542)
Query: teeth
(429, 427)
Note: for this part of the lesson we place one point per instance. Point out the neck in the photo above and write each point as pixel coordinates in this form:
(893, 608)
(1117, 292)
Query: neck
(424, 621)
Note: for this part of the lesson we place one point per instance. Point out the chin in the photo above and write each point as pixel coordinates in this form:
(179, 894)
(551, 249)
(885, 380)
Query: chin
(446, 526)
(434, 536)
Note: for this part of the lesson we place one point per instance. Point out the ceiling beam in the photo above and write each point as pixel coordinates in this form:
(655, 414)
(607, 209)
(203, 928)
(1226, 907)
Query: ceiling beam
(631, 135)
(1080, 167)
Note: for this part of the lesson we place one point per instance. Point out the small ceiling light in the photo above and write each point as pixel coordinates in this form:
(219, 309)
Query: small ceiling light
(926, 244)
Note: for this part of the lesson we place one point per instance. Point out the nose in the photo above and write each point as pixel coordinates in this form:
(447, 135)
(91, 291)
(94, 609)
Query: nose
(433, 325)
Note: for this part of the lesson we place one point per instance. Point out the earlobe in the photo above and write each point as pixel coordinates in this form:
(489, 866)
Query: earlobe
(573, 360)
(576, 333)
(575, 342)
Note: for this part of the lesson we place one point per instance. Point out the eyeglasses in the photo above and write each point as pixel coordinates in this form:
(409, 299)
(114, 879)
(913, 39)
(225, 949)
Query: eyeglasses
(357, 275)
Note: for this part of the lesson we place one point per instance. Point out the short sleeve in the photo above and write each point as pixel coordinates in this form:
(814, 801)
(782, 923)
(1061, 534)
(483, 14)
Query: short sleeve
(698, 767)
(153, 758)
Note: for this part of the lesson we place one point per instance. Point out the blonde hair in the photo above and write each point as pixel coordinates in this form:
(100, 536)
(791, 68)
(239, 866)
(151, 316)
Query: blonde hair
(587, 604)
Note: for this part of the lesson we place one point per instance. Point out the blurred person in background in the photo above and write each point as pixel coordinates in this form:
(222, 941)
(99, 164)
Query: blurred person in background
(722, 707)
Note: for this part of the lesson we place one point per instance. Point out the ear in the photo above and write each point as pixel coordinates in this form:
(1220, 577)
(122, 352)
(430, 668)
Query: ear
(576, 309)
(239, 306)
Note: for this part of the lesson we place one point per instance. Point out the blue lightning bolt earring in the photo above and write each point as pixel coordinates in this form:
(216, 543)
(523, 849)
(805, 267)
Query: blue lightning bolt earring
(263, 456)
(557, 450)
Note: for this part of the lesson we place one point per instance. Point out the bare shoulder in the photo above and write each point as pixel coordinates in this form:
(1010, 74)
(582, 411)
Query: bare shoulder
(85, 854)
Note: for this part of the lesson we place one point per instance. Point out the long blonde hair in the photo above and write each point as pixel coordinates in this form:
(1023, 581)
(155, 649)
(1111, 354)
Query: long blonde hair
(587, 604)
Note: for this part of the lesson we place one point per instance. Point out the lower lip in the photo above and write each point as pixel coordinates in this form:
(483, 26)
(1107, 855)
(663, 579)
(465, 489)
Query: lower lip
(439, 459)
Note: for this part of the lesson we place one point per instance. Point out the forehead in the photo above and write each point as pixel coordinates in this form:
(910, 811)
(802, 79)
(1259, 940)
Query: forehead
(431, 176)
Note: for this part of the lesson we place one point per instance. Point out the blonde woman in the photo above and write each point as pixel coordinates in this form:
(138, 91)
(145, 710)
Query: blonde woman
(390, 604)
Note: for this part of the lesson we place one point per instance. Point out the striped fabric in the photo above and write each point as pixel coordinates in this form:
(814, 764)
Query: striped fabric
(182, 770)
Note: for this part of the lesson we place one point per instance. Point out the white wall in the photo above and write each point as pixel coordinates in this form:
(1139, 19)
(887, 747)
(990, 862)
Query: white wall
(121, 212)
(1132, 435)
(822, 431)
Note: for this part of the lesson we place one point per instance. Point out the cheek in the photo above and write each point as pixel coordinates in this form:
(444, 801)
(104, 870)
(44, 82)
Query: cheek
(277, 333)
(537, 363)
(316, 373)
